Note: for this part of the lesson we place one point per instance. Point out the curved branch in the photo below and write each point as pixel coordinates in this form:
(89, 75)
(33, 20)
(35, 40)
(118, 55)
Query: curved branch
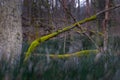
(36, 42)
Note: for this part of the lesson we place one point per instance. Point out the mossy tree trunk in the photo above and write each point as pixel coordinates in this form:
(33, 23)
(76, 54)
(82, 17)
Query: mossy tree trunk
(10, 31)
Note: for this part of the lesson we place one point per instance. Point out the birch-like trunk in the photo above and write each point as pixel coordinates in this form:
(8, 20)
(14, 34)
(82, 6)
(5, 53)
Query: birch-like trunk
(10, 30)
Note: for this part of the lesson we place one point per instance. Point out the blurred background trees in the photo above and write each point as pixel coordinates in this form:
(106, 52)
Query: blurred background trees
(46, 16)
(37, 18)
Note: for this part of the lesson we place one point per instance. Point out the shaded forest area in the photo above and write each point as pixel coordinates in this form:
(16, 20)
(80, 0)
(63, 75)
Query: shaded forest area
(59, 40)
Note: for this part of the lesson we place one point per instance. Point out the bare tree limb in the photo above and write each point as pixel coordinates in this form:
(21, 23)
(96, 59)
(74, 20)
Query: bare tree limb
(109, 9)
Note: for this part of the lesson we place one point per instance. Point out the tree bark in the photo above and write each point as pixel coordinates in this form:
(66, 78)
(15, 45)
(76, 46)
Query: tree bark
(10, 31)
(105, 26)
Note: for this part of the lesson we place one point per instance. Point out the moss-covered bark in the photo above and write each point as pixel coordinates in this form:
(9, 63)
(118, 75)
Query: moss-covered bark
(76, 54)
(36, 42)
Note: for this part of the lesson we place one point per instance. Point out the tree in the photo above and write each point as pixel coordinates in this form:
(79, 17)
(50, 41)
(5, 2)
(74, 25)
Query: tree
(10, 31)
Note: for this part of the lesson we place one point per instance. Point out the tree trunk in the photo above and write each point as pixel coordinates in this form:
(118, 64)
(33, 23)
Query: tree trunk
(105, 26)
(10, 31)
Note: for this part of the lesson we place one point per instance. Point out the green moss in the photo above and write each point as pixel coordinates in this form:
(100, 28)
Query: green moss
(36, 42)
(31, 48)
(78, 54)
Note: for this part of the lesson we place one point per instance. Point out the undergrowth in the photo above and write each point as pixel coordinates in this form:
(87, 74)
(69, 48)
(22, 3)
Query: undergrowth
(107, 67)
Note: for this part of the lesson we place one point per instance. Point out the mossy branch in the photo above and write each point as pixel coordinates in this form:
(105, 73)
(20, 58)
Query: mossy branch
(69, 55)
(76, 54)
(36, 42)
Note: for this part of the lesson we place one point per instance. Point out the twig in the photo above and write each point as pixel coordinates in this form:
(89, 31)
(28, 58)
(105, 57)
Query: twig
(106, 10)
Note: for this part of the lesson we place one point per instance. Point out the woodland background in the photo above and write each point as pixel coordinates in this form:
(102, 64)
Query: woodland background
(87, 51)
